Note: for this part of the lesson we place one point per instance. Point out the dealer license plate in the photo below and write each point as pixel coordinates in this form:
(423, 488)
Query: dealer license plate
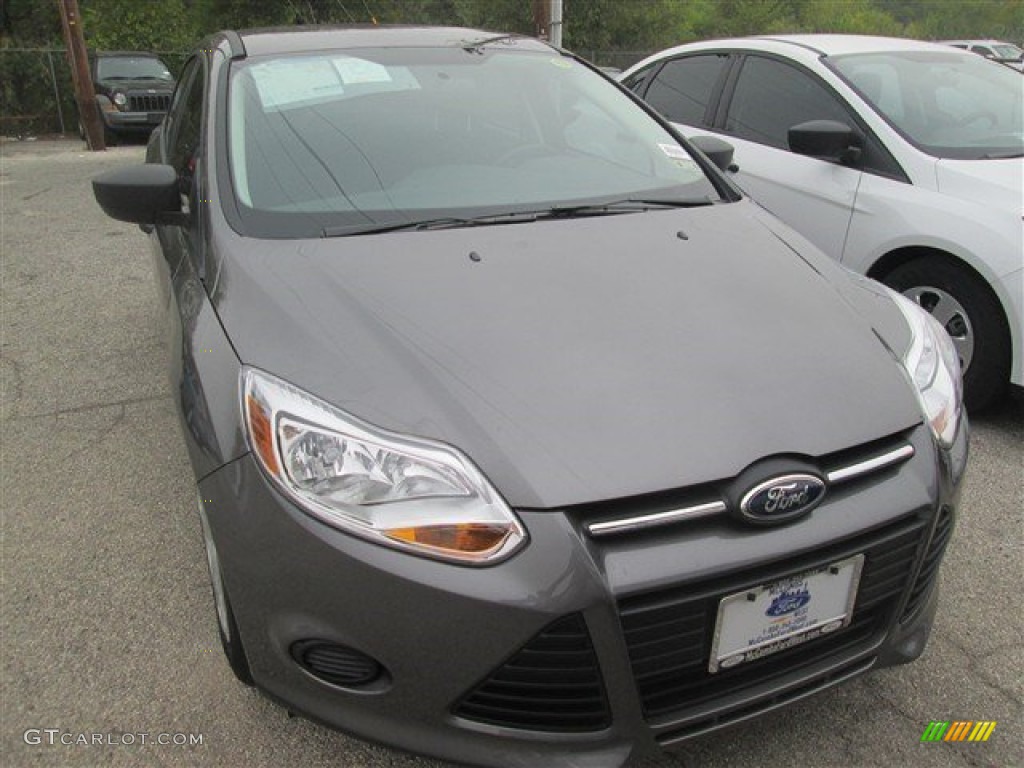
(760, 621)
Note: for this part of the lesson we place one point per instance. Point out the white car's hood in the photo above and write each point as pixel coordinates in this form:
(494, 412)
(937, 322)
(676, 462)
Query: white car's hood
(998, 183)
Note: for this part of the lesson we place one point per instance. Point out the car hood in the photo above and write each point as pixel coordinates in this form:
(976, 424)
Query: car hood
(574, 360)
(998, 183)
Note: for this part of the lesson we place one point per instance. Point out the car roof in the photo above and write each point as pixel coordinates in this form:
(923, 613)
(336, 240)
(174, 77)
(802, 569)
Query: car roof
(977, 42)
(274, 40)
(838, 45)
(811, 46)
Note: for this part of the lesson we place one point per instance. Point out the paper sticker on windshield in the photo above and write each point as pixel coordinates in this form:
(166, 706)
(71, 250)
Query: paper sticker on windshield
(562, 63)
(290, 81)
(353, 71)
(674, 151)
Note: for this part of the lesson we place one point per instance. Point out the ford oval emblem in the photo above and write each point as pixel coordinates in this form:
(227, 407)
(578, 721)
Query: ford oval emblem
(782, 498)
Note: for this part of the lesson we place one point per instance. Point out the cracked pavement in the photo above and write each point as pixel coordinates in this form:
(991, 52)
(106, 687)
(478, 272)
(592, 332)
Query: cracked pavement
(107, 621)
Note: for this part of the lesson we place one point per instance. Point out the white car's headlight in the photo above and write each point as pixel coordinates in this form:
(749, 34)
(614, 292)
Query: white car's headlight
(934, 368)
(407, 492)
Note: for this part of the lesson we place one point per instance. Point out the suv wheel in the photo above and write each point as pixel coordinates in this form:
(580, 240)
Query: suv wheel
(966, 307)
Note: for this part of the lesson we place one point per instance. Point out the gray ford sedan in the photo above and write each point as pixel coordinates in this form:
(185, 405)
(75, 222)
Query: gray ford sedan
(520, 436)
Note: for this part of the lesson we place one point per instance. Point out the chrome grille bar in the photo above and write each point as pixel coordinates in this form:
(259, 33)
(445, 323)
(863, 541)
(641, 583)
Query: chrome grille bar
(658, 518)
(866, 467)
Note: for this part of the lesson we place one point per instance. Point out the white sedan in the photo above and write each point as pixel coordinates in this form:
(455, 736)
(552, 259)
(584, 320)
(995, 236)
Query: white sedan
(903, 160)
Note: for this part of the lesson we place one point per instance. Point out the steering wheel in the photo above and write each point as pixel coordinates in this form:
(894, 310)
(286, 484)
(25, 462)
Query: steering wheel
(979, 114)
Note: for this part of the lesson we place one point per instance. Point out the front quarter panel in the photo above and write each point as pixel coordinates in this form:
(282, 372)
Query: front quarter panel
(890, 216)
(204, 373)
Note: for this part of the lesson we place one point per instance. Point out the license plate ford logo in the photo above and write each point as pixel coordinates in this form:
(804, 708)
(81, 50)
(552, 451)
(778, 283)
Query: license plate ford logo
(763, 620)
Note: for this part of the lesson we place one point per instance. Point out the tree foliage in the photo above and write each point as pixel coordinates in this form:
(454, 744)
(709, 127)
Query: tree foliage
(589, 24)
(615, 32)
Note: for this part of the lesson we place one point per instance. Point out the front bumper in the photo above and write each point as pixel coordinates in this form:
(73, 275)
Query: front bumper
(576, 651)
(132, 122)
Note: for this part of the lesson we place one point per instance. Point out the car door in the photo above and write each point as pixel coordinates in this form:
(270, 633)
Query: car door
(174, 239)
(752, 101)
(198, 350)
(767, 98)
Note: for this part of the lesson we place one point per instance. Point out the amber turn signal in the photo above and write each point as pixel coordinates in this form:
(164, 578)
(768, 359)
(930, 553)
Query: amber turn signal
(262, 433)
(462, 538)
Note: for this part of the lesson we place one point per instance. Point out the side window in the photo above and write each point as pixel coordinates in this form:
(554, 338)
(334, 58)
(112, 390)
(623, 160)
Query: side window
(186, 120)
(983, 50)
(771, 97)
(636, 80)
(683, 88)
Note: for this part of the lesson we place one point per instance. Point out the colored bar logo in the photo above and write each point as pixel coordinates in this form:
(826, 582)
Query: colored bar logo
(959, 730)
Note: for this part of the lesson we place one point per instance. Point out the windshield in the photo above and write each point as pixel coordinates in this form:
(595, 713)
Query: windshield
(132, 68)
(950, 105)
(1007, 51)
(385, 136)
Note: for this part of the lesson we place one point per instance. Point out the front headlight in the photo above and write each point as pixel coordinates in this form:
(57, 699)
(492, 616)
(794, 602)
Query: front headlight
(120, 99)
(934, 368)
(407, 492)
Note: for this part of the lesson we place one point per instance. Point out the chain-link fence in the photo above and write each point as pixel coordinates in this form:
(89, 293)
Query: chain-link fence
(36, 91)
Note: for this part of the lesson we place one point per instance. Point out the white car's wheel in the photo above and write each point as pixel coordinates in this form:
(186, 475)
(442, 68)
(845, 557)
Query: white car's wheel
(966, 307)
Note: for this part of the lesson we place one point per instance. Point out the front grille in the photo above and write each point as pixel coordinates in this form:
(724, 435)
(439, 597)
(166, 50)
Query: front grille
(624, 516)
(149, 102)
(669, 633)
(930, 564)
(553, 683)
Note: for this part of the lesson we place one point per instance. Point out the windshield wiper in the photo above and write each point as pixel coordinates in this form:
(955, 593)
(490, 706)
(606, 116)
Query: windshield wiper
(1008, 155)
(445, 222)
(374, 229)
(625, 205)
(474, 46)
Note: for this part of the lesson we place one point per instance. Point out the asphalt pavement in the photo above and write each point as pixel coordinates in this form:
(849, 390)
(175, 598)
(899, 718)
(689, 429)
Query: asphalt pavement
(108, 632)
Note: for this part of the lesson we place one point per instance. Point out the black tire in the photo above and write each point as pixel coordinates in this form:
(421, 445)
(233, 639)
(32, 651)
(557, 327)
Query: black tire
(987, 371)
(227, 627)
(233, 648)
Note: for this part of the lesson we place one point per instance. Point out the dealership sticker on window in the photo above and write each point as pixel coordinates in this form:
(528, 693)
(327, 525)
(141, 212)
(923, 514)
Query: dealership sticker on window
(674, 151)
(296, 80)
(678, 155)
(355, 71)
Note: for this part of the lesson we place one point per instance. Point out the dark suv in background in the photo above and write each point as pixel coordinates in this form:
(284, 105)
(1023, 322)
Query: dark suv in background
(133, 92)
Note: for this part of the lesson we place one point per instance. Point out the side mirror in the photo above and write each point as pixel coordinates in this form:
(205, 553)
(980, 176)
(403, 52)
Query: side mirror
(826, 140)
(139, 194)
(717, 151)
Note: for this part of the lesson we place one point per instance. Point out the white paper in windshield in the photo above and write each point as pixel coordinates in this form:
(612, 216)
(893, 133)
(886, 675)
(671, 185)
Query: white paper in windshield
(355, 71)
(291, 81)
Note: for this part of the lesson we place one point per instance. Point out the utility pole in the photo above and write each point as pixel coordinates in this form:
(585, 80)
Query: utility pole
(541, 18)
(85, 94)
(555, 38)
